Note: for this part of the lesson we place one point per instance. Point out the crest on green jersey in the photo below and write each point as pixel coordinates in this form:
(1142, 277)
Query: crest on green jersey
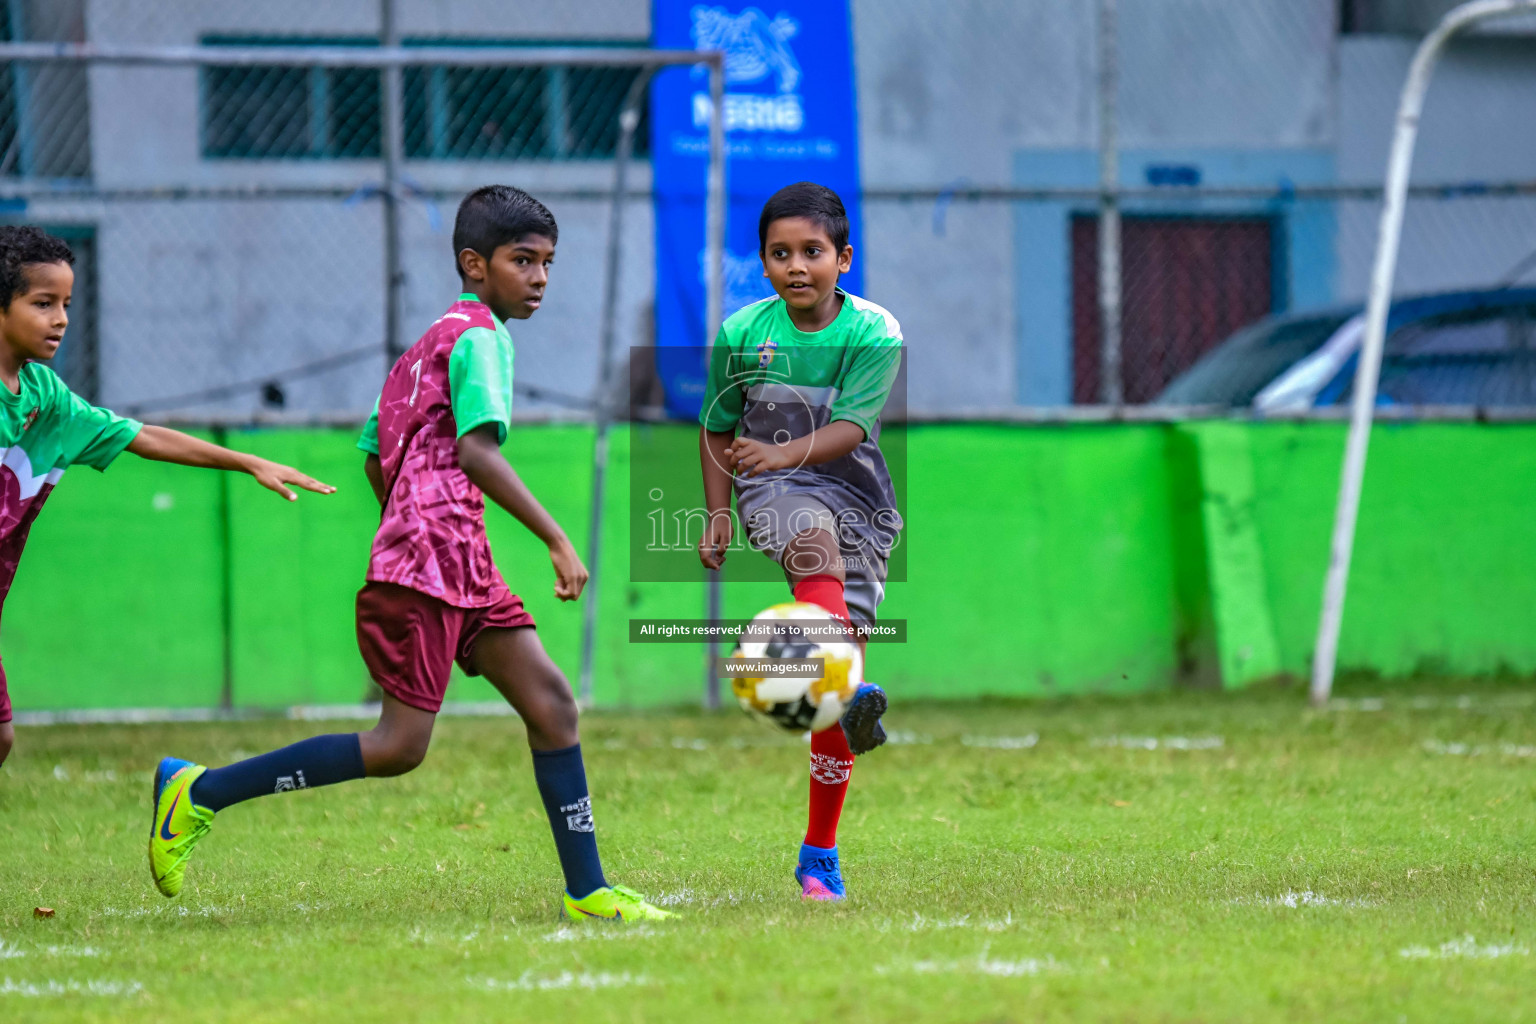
(766, 364)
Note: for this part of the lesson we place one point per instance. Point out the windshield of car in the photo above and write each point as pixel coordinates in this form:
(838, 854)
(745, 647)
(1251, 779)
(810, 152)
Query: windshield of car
(1483, 357)
(1239, 368)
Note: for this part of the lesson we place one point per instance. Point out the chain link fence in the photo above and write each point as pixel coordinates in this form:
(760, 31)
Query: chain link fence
(230, 225)
(230, 219)
(1251, 142)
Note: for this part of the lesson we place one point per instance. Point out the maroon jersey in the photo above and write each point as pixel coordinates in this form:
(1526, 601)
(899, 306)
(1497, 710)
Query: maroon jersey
(432, 533)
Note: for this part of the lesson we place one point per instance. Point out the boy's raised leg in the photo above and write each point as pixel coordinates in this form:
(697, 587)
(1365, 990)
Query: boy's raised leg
(817, 867)
(515, 662)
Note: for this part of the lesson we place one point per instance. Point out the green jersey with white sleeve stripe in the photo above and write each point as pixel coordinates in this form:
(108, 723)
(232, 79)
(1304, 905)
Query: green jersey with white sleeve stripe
(771, 381)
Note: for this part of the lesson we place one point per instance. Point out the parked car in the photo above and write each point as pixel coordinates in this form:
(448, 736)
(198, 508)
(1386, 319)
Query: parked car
(1473, 348)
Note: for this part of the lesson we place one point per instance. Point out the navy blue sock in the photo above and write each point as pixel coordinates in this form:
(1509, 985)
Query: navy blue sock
(562, 780)
(317, 761)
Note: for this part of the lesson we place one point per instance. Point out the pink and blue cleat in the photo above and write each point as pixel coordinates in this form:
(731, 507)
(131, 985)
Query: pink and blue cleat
(818, 875)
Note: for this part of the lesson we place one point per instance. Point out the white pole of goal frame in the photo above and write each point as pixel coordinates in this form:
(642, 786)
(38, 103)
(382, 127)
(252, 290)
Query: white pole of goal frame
(1325, 655)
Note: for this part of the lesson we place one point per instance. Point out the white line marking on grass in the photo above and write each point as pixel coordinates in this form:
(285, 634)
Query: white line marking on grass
(156, 911)
(1307, 898)
(1465, 948)
(526, 982)
(583, 934)
(1468, 750)
(1464, 702)
(1017, 968)
(1001, 742)
(919, 923)
(906, 736)
(69, 987)
(62, 774)
(1165, 743)
(680, 897)
(420, 936)
(1357, 704)
(683, 743)
(1027, 968)
(9, 952)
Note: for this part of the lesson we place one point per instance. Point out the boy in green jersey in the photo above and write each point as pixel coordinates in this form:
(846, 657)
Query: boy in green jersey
(45, 428)
(791, 421)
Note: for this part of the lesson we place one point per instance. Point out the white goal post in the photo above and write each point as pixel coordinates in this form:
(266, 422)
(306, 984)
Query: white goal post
(1325, 653)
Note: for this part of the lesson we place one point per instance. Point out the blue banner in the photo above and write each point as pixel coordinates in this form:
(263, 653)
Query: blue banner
(790, 115)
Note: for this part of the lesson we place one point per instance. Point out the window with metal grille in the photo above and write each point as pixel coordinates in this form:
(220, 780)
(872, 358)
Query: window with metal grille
(9, 136)
(278, 111)
(1187, 283)
(450, 112)
(44, 108)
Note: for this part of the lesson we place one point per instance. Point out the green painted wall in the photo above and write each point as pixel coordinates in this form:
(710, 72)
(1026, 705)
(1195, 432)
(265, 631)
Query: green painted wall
(117, 600)
(1041, 560)
(1444, 575)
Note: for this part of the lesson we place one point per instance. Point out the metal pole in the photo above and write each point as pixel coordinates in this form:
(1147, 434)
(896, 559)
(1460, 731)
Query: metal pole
(26, 114)
(350, 56)
(391, 117)
(1362, 408)
(629, 120)
(1110, 389)
(226, 583)
(714, 309)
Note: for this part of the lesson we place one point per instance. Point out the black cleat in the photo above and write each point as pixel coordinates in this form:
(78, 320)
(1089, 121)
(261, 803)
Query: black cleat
(861, 722)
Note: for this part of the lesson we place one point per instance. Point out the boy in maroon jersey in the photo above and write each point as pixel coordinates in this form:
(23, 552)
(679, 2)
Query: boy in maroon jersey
(433, 595)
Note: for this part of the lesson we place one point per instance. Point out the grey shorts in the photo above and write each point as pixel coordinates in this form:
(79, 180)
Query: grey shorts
(773, 522)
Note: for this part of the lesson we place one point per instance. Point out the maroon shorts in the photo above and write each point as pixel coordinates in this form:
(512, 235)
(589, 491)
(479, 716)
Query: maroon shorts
(410, 640)
(5, 699)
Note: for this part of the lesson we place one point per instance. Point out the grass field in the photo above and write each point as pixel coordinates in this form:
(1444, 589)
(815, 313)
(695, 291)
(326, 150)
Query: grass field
(1187, 857)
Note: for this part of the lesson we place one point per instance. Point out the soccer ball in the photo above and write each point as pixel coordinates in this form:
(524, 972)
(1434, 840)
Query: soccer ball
(797, 704)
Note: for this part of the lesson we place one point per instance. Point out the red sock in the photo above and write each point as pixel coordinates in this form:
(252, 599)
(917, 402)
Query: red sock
(831, 764)
(825, 591)
(831, 760)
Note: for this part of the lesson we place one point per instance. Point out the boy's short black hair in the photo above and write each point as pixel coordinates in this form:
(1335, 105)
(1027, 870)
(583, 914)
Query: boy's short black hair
(23, 246)
(814, 202)
(494, 215)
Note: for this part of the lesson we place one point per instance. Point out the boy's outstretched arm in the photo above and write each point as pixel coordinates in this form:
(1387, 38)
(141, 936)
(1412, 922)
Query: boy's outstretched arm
(165, 445)
(481, 459)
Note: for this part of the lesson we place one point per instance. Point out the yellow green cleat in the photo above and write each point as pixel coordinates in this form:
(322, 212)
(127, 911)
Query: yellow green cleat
(178, 823)
(613, 903)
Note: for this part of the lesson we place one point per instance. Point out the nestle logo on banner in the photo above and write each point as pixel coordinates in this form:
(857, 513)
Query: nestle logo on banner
(756, 48)
(747, 112)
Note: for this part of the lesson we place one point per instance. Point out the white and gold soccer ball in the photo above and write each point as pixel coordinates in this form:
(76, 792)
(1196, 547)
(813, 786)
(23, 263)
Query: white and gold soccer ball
(798, 704)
